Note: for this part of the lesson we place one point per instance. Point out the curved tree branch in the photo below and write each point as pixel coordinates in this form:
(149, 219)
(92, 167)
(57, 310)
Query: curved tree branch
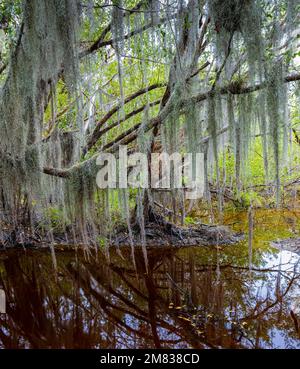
(132, 133)
(97, 131)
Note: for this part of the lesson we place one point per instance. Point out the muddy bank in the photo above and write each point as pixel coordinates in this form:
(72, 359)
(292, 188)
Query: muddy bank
(202, 235)
(156, 236)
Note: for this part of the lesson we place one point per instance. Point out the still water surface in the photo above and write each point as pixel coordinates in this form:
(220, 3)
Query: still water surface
(198, 297)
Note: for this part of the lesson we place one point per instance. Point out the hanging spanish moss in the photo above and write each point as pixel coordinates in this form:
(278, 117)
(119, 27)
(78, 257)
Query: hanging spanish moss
(263, 130)
(212, 121)
(48, 48)
(177, 77)
(114, 116)
(231, 17)
(118, 31)
(276, 119)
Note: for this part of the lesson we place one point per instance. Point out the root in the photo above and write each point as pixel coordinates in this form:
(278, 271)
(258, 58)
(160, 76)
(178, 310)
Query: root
(161, 232)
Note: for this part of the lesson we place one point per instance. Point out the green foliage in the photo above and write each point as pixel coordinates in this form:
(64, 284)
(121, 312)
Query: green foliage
(10, 19)
(54, 219)
(190, 220)
(102, 242)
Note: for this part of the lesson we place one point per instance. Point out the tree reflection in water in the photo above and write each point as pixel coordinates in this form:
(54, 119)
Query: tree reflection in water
(195, 297)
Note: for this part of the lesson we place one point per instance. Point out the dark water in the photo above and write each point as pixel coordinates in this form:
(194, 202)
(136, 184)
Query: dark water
(195, 297)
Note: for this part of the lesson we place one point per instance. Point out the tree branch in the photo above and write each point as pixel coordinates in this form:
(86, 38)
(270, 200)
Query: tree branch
(96, 133)
(131, 134)
(196, 99)
(101, 43)
(107, 29)
(2, 68)
(127, 116)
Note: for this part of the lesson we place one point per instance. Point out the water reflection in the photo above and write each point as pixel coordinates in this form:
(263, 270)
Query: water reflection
(196, 297)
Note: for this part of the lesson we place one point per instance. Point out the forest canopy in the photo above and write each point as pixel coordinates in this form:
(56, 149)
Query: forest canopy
(83, 77)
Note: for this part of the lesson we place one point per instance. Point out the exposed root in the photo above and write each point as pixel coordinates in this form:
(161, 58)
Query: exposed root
(160, 232)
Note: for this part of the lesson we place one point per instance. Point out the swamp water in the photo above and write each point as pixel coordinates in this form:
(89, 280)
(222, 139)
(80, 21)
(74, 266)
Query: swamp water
(198, 297)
